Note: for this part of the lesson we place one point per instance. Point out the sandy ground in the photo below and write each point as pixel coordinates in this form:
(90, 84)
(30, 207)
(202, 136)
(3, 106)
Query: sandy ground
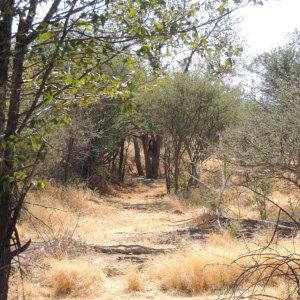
(140, 215)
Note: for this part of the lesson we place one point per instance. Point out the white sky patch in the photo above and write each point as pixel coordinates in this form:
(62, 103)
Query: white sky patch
(266, 27)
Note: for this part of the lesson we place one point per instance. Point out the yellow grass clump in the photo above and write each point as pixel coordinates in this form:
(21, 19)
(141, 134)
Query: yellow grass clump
(135, 281)
(194, 270)
(62, 197)
(74, 278)
(76, 197)
(213, 266)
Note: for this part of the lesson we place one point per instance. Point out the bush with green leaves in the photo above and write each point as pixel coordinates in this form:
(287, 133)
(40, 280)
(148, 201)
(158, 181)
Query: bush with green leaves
(267, 137)
(189, 112)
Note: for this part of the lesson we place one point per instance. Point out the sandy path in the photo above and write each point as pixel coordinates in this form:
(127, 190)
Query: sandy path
(141, 215)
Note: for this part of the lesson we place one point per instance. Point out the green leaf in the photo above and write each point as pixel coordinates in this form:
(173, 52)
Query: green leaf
(229, 62)
(42, 155)
(159, 26)
(45, 36)
(39, 184)
(69, 79)
(21, 158)
(132, 12)
(203, 42)
(221, 9)
(140, 30)
(34, 142)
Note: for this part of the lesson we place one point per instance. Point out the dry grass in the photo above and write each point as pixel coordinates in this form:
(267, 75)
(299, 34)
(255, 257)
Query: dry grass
(31, 290)
(210, 267)
(135, 280)
(75, 278)
(53, 213)
(223, 240)
(196, 270)
(74, 198)
(201, 268)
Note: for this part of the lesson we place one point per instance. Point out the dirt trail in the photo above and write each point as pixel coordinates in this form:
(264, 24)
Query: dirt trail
(143, 215)
(135, 215)
(140, 217)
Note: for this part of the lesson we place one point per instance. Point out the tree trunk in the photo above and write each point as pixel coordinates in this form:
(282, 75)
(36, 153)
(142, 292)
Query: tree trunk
(148, 166)
(151, 159)
(124, 164)
(113, 163)
(167, 167)
(156, 158)
(177, 145)
(90, 162)
(121, 160)
(5, 199)
(5, 42)
(137, 155)
(176, 171)
(4, 271)
(194, 180)
(5, 259)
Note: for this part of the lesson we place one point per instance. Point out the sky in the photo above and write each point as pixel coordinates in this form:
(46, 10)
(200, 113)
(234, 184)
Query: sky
(266, 27)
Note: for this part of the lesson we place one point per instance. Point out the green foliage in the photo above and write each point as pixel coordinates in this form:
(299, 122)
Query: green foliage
(265, 143)
(190, 112)
(279, 70)
(267, 138)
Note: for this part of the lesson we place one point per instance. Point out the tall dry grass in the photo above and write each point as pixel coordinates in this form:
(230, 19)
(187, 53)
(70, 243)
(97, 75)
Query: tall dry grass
(57, 196)
(53, 209)
(195, 270)
(52, 216)
(75, 278)
(135, 280)
(213, 266)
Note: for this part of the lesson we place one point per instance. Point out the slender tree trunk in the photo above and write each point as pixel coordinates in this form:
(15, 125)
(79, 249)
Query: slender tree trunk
(167, 167)
(176, 173)
(148, 166)
(177, 158)
(5, 259)
(5, 42)
(113, 163)
(5, 199)
(124, 163)
(156, 158)
(121, 160)
(4, 271)
(137, 155)
(194, 181)
(90, 161)
(6, 155)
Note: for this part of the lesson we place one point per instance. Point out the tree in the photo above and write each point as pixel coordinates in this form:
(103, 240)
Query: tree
(265, 147)
(189, 112)
(54, 61)
(87, 147)
(267, 141)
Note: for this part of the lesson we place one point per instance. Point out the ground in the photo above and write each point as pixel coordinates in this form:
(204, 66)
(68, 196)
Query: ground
(157, 247)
